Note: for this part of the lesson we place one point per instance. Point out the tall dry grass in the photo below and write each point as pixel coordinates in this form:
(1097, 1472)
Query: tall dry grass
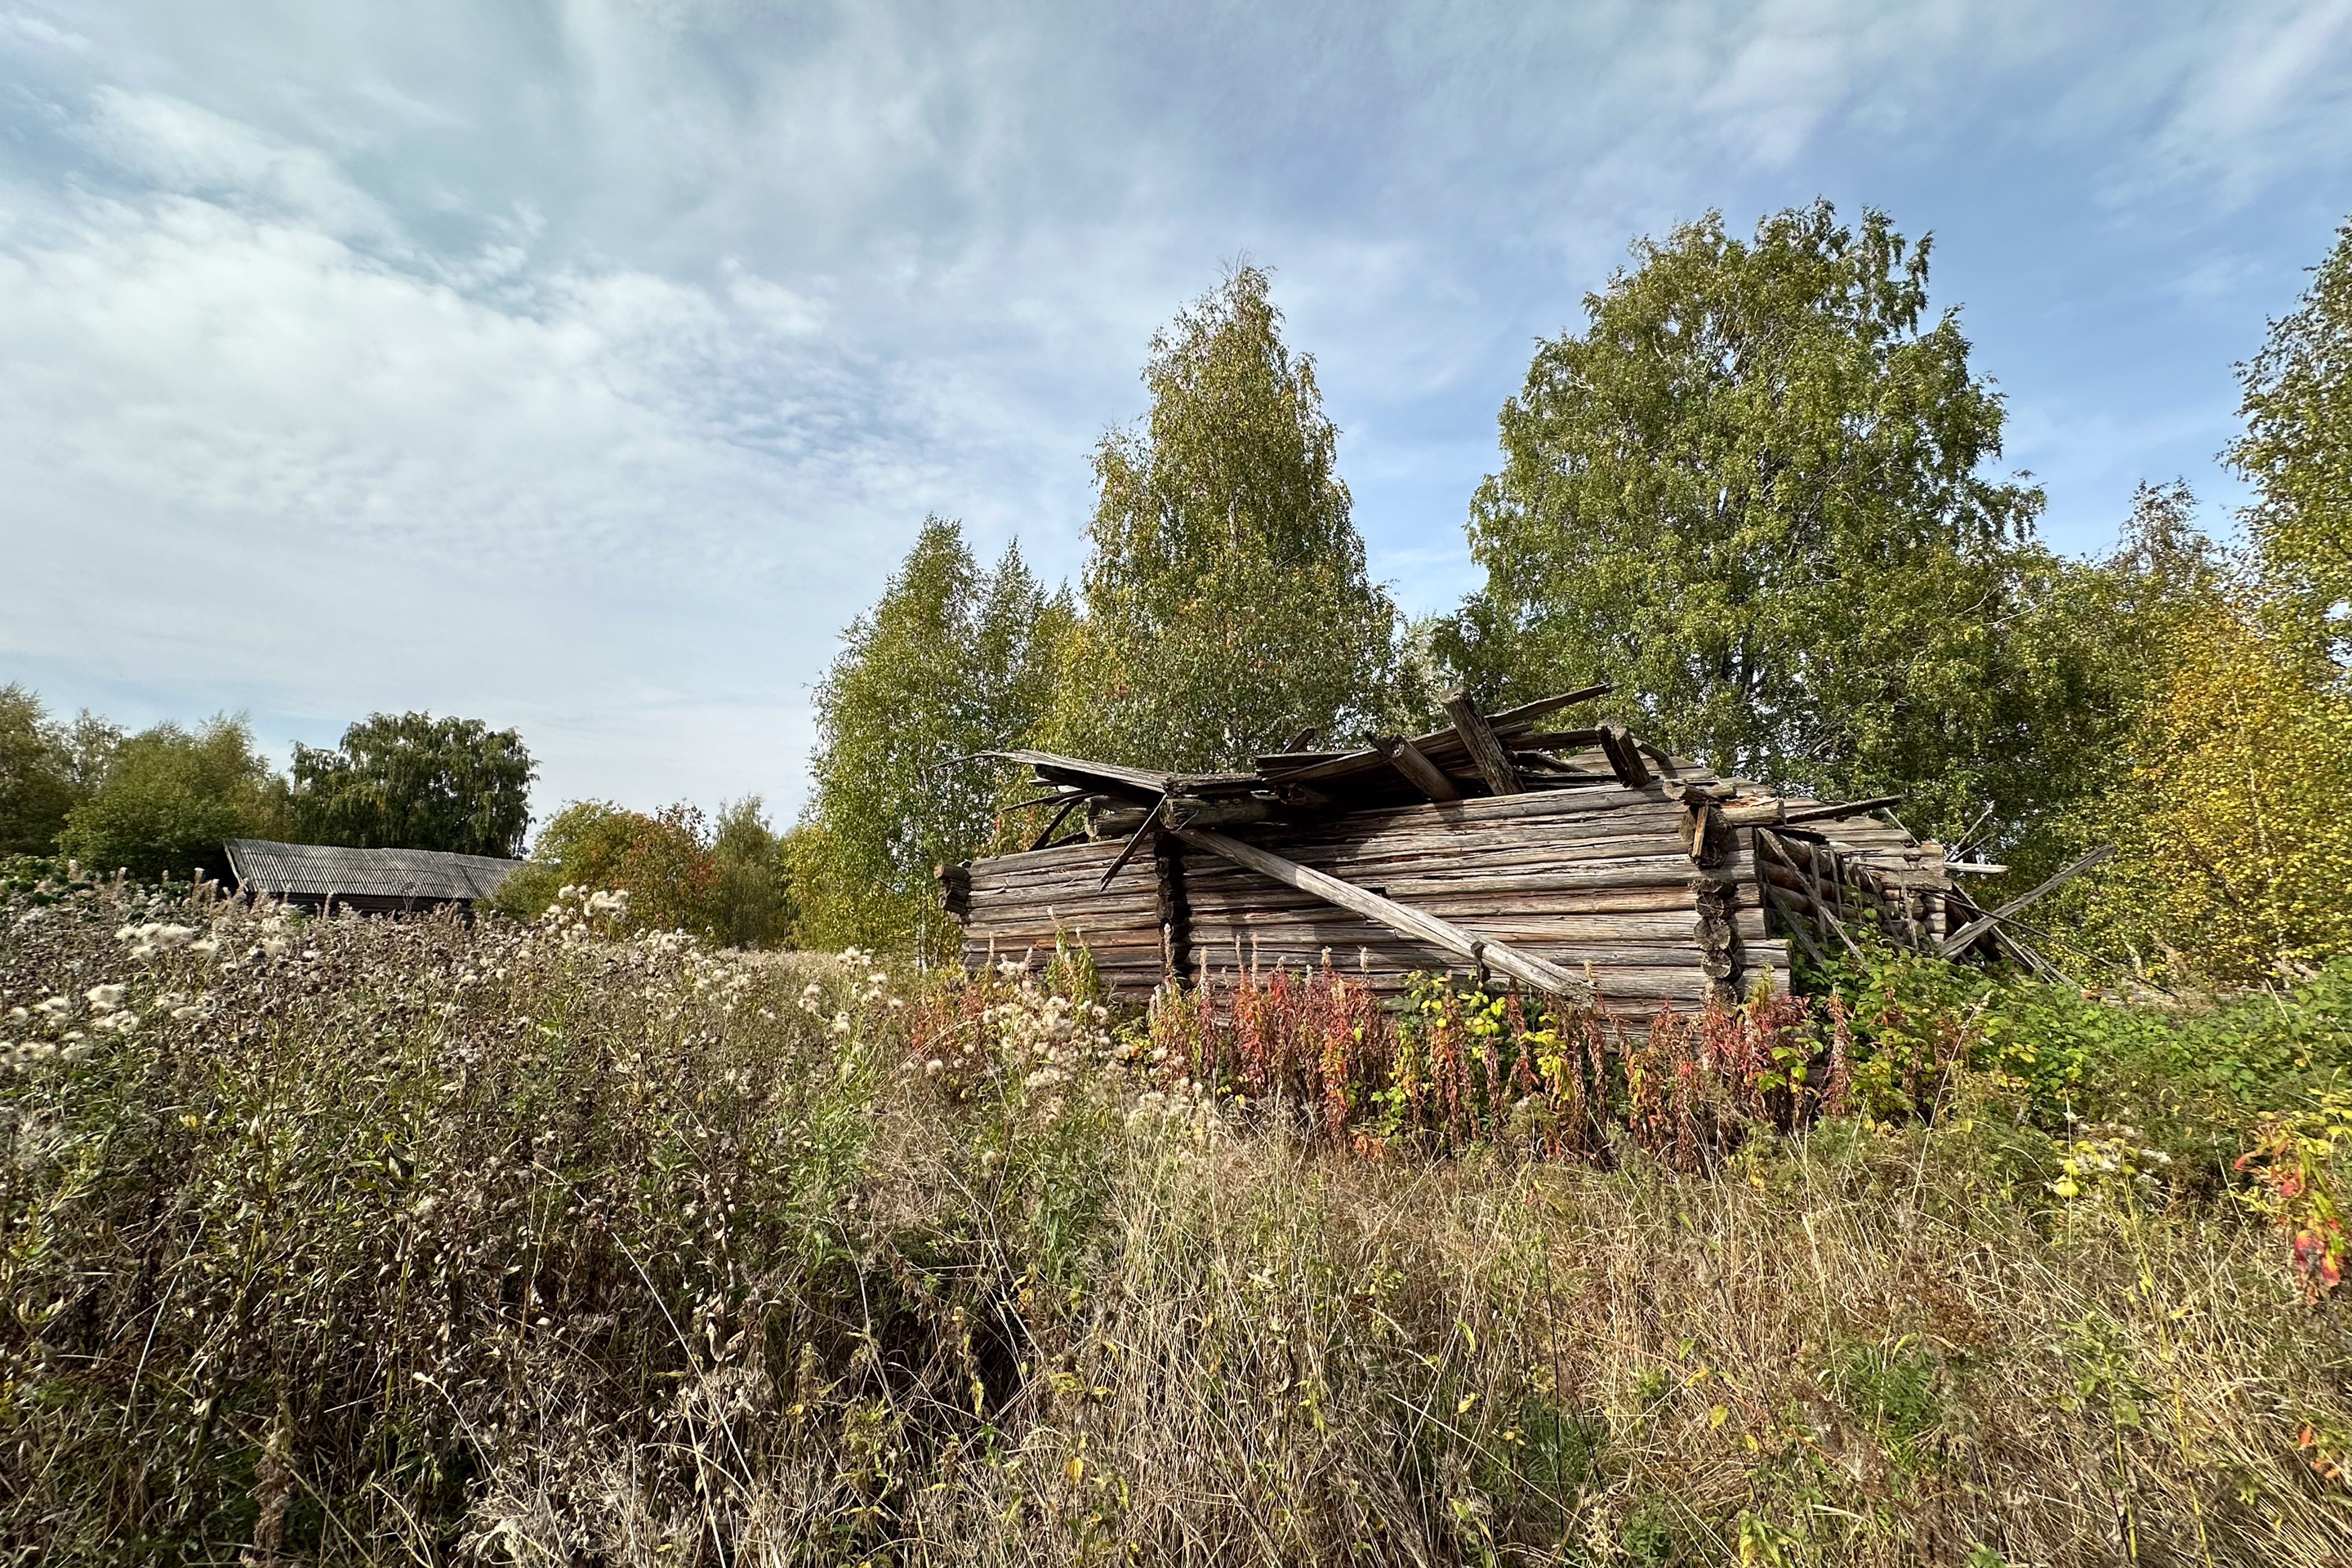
(381, 1243)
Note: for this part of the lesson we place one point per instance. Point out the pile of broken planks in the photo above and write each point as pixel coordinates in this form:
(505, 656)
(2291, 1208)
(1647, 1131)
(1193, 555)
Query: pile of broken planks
(1581, 863)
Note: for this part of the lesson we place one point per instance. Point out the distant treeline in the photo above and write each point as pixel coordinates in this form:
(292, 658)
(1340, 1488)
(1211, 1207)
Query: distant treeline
(1758, 492)
(161, 803)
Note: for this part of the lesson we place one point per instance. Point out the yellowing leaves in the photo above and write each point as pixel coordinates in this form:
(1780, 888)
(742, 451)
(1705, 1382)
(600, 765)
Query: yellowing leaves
(2238, 826)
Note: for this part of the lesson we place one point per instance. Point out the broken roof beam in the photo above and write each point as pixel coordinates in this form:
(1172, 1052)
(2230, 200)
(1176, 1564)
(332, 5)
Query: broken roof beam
(1487, 753)
(1818, 813)
(1524, 967)
(1960, 940)
(1417, 770)
(1625, 756)
(1528, 712)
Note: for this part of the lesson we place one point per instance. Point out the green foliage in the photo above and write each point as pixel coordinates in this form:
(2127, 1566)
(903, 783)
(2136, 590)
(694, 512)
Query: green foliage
(752, 904)
(2221, 784)
(2297, 447)
(1228, 607)
(1751, 493)
(34, 792)
(950, 662)
(171, 797)
(413, 782)
(1897, 1392)
(661, 861)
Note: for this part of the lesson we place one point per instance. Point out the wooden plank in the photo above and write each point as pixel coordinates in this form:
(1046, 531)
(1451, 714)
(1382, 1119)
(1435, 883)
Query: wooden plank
(1957, 942)
(1487, 752)
(1798, 925)
(1834, 813)
(1417, 770)
(1625, 756)
(1528, 712)
(1397, 917)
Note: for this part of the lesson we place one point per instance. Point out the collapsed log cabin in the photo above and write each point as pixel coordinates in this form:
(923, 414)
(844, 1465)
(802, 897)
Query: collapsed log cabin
(1582, 863)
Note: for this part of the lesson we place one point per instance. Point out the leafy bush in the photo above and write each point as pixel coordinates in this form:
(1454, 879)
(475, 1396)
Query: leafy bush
(171, 797)
(729, 881)
(660, 861)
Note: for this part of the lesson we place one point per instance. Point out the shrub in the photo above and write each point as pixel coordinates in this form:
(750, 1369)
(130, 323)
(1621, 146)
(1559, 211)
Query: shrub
(171, 797)
(660, 861)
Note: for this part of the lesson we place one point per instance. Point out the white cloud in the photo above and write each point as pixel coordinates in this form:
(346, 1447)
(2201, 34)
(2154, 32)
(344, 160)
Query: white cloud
(178, 146)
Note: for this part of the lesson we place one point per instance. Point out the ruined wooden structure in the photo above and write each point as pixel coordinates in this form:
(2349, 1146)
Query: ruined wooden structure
(1582, 863)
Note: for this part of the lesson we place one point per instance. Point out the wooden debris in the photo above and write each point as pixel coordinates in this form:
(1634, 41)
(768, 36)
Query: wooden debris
(1525, 968)
(1585, 862)
(1624, 757)
(1957, 942)
(1478, 737)
(1409, 759)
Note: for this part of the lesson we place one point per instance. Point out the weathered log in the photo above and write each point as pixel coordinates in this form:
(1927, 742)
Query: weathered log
(955, 888)
(1487, 752)
(1522, 967)
(1528, 712)
(1417, 770)
(1836, 813)
(1625, 756)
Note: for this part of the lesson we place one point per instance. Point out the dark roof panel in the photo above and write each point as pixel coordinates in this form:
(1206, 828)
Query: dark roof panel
(317, 871)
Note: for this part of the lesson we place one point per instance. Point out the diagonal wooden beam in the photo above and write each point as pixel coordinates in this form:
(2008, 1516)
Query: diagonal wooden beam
(1528, 712)
(1820, 813)
(1957, 942)
(1524, 967)
(1624, 755)
(1069, 803)
(1158, 809)
(1493, 763)
(1414, 764)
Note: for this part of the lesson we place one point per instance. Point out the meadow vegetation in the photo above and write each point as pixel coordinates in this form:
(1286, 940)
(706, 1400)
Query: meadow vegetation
(369, 1241)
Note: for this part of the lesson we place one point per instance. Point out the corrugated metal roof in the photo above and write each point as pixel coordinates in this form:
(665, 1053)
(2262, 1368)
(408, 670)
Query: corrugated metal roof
(318, 869)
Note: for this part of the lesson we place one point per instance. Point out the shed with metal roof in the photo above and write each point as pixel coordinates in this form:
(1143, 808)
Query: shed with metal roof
(373, 881)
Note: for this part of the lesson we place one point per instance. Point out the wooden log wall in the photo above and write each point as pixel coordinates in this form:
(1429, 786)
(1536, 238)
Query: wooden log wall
(1830, 890)
(1600, 878)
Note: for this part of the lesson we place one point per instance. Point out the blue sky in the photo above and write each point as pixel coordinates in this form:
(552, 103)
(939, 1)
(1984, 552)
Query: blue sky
(585, 366)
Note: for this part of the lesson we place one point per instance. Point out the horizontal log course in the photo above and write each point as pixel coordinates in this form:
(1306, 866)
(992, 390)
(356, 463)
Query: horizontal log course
(1389, 967)
(1677, 927)
(1455, 904)
(1479, 852)
(1666, 861)
(1412, 922)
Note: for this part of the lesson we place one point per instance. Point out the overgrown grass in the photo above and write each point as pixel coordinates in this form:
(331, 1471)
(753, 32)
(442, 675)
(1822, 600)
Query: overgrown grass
(417, 1242)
